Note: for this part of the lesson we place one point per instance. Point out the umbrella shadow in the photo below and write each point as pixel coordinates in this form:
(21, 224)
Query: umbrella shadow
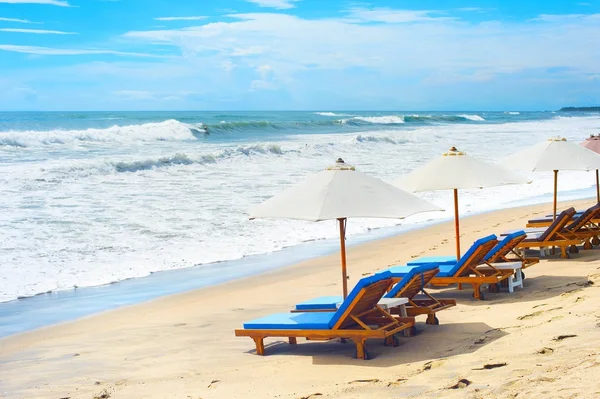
(431, 343)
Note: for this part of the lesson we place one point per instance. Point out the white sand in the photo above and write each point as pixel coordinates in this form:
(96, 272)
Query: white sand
(183, 346)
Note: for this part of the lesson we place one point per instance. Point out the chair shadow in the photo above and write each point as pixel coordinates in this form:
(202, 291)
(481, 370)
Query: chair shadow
(430, 343)
(534, 289)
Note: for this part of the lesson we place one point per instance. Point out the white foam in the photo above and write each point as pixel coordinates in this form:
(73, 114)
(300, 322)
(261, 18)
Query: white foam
(69, 217)
(388, 119)
(170, 130)
(473, 117)
(512, 113)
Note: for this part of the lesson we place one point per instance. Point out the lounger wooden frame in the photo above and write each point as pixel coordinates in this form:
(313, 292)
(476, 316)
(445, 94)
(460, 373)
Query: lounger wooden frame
(416, 307)
(547, 221)
(468, 273)
(555, 235)
(501, 256)
(356, 323)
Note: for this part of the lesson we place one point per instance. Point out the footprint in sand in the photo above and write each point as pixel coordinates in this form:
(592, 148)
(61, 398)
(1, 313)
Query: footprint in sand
(561, 337)
(545, 351)
(538, 313)
(462, 383)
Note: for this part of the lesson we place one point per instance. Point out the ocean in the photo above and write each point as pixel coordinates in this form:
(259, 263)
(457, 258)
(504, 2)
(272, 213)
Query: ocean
(91, 198)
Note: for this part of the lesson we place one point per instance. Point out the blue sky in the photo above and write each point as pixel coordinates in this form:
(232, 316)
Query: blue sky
(298, 54)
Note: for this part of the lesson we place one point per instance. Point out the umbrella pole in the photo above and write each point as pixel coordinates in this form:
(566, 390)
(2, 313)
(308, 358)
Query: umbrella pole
(555, 190)
(456, 224)
(597, 186)
(342, 222)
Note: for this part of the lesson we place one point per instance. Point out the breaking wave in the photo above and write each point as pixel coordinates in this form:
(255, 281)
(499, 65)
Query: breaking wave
(174, 130)
(169, 130)
(178, 159)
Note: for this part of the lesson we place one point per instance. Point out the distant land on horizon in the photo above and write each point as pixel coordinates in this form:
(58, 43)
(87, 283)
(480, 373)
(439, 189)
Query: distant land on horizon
(582, 109)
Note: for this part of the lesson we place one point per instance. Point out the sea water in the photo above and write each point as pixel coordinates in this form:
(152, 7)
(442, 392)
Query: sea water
(90, 198)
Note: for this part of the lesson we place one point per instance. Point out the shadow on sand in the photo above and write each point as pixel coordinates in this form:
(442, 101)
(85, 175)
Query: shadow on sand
(430, 343)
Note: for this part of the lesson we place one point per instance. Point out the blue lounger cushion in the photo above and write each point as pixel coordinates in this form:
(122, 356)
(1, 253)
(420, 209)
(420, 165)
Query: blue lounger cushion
(305, 321)
(322, 302)
(444, 270)
(447, 271)
(292, 321)
(451, 260)
(410, 273)
(438, 260)
(501, 246)
(404, 272)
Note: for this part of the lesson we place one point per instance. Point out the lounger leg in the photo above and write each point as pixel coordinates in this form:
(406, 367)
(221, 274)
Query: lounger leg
(587, 244)
(596, 240)
(477, 294)
(292, 340)
(563, 252)
(432, 320)
(260, 345)
(573, 249)
(361, 352)
(459, 286)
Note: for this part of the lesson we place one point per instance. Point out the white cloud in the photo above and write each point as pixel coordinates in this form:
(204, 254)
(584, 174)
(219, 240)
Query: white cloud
(193, 18)
(21, 21)
(60, 3)
(278, 4)
(244, 51)
(228, 66)
(65, 51)
(429, 45)
(37, 31)
(387, 15)
(262, 85)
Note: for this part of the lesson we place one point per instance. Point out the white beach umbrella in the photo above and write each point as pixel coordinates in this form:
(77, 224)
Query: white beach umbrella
(340, 192)
(593, 143)
(554, 154)
(456, 170)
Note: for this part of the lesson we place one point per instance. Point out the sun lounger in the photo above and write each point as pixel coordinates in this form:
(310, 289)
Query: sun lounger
(548, 219)
(410, 282)
(465, 270)
(554, 235)
(358, 319)
(502, 257)
(581, 227)
(504, 251)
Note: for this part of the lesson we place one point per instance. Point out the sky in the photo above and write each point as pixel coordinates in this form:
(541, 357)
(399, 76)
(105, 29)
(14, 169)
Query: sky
(298, 54)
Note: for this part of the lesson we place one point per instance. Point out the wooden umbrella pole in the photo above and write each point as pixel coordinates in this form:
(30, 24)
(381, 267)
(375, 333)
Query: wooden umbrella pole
(456, 224)
(597, 186)
(555, 192)
(342, 222)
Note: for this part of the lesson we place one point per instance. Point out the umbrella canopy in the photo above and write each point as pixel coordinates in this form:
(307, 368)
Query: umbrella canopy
(554, 154)
(340, 192)
(593, 143)
(456, 170)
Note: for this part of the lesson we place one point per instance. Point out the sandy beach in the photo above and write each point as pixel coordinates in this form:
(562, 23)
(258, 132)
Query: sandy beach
(541, 341)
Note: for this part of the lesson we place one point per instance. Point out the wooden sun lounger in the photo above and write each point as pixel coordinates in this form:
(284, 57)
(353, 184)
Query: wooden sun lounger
(504, 251)
(554, 235)
(358, 319)
(547, 220)
(465, 270)
(409, 281)
(415, 285)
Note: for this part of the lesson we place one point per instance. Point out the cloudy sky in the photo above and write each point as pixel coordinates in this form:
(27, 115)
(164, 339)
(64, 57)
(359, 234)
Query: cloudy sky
(298, 54)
